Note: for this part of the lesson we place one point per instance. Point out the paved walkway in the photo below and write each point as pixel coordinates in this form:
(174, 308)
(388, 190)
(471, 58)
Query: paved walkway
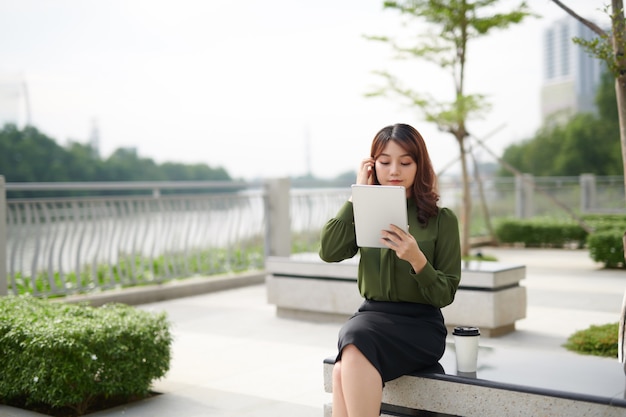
(233, 357)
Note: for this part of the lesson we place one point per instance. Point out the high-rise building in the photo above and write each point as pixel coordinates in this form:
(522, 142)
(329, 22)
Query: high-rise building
(94, 139)
(14, 103)
(570, 75)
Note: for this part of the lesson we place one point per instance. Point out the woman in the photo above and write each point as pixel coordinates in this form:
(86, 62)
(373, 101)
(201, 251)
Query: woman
(399, 327)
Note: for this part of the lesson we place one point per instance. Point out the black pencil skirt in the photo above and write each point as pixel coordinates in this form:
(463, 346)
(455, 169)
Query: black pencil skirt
(397, 338)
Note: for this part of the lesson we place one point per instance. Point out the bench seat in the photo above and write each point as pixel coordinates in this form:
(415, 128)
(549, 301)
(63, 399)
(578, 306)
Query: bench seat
(509, 382)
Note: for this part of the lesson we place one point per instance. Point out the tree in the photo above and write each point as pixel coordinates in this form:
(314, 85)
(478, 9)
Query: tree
(81, 162)
(585, 144)
(30, 156)
(452, 24)
(175, 171)
(126, 165)
(609, 47)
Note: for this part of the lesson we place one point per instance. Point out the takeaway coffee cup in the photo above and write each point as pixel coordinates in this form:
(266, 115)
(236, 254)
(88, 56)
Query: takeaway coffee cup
(466, 346)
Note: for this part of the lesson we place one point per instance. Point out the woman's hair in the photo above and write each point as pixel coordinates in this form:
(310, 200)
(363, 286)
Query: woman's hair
(425, 184)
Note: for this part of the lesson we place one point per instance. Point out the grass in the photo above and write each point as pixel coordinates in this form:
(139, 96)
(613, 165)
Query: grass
(597, 340)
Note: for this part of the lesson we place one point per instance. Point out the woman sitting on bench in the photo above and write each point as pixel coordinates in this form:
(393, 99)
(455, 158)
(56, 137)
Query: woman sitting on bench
(399, 328)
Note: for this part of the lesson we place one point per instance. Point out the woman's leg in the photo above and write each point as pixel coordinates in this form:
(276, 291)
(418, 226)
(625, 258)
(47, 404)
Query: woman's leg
(357, 386)
(339, 403)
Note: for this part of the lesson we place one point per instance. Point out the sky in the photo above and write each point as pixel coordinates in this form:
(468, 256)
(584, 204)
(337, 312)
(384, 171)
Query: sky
(263, 89)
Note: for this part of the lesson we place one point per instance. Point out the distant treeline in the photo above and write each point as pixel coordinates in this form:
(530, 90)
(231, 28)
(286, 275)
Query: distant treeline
(27, 155)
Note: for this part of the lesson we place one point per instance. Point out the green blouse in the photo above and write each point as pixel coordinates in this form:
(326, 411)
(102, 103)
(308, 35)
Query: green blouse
(383, 276)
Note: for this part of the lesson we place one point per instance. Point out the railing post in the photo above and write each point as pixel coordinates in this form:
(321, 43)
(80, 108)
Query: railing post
(587, 192)
(4, 287)
(277, 217)
(524, 190)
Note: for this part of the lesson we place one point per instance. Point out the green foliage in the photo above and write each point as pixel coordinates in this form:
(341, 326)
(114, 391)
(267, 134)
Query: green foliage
(446, 28)
(195, 172)
(598, 340)
(28, 155)
(601, 47)
(606, 246)
(136, 270)
(600, 222)
(605, 100)
(540, 232)
(66, 355)
(587, 143)
(605, 242)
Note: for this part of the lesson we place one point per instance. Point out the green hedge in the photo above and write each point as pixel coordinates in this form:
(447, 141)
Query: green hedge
(540, 232)
(605, 242)
(601, 222)
(70, 356)
(607, 247)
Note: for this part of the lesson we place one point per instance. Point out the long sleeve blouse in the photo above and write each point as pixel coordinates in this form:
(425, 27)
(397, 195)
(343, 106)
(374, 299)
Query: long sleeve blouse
(383, 276)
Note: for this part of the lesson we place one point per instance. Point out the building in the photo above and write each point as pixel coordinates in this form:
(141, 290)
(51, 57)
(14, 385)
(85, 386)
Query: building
(14, 101)
(570, 75)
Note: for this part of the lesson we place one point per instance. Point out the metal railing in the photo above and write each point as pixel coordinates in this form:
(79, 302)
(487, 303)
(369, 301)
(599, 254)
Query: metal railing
(59, 246)
(168, 230)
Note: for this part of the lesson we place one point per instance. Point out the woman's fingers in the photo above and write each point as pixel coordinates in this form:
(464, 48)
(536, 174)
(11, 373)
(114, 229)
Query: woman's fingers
(364, 175)
(397, 239)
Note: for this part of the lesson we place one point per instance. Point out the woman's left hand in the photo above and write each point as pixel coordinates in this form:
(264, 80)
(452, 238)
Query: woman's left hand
(405, 246)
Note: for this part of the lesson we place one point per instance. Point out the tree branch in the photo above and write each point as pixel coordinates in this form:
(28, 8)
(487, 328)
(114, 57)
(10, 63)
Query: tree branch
(597, 29)
(517, 172)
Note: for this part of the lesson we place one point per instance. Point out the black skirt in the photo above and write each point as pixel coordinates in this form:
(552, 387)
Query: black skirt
(397, 338)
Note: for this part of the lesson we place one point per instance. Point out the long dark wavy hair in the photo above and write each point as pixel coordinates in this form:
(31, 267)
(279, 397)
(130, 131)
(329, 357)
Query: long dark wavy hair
(425, 185)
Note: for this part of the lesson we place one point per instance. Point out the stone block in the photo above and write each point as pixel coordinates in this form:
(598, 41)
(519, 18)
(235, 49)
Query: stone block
(304, 287)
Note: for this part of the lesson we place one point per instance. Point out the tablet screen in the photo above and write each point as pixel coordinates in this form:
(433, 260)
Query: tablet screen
(375, 208)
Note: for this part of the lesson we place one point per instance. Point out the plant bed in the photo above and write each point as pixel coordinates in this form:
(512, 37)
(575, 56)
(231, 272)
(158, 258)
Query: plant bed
(68, 359)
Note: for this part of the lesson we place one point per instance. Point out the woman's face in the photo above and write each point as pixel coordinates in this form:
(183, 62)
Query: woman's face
(394, 166)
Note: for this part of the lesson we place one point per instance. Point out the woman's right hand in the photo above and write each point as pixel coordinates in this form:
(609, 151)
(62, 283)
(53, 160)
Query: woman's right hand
(365, 174)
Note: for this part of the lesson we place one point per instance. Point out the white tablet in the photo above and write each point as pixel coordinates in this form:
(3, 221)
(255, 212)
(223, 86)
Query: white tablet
(375, 208)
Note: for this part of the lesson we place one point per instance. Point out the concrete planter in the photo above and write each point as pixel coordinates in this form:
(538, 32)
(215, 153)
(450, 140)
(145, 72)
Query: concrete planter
(304, 287)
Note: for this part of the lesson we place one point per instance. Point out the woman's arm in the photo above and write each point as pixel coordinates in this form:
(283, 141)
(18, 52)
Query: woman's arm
(439, 279)
(338, 238)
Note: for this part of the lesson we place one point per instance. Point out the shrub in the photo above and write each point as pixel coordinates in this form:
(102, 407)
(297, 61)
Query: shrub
(601, 222)
(63, 355)
(598, 340)
(540, 232)
(606, 246)
(605, 242)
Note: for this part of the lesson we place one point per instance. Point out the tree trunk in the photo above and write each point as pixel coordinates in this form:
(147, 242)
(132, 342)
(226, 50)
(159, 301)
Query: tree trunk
(467, 199)
(483, 202)
(620, 92)
(617, 19)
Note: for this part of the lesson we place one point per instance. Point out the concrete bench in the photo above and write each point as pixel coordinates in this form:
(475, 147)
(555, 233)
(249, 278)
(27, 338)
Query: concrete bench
(302, 286)
(509, 382)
